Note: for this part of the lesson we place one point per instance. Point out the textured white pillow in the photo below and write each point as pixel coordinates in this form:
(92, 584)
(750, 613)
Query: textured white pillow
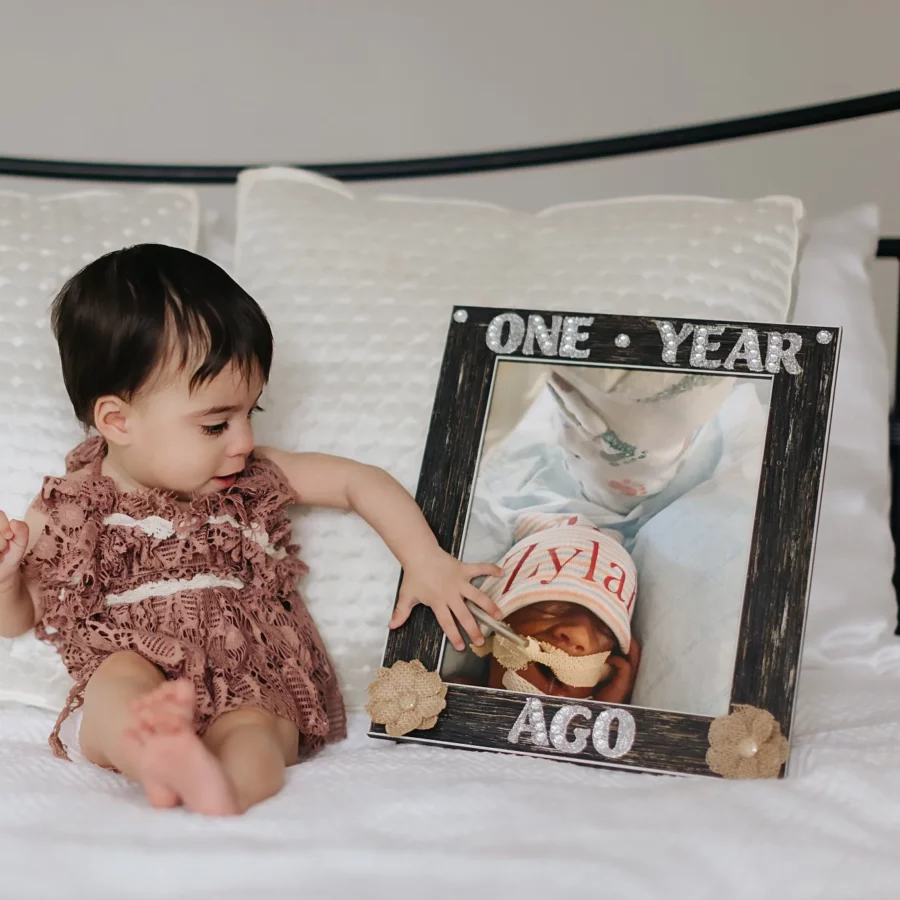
(359, 293)
(853, 608)
(44, 240)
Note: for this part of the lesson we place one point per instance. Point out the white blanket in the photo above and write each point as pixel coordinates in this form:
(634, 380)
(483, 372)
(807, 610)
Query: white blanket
(374, 819)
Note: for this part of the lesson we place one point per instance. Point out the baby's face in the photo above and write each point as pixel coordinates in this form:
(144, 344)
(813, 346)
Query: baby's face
(568, 626)
(191, 442)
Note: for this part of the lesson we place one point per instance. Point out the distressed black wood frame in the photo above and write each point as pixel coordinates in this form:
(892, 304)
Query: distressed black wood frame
(776, 590)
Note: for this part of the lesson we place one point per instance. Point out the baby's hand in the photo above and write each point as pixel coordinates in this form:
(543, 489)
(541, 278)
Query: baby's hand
(13, 544)
(618, 688)
(443, 583)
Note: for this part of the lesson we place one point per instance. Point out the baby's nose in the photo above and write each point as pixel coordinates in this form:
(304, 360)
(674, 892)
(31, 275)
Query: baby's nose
(242, 444)
(576, 638)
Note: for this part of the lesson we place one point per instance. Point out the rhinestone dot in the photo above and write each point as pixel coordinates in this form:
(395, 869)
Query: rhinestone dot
(460, 316)
(622, 341)
(824, 337)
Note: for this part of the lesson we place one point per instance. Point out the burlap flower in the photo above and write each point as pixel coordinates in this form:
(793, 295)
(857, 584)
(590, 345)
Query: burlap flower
(748, 743)
(406, 697)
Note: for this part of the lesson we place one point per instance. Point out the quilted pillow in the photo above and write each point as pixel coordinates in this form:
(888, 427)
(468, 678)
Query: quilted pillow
(44, 240)
(853, 601)
(359, 291)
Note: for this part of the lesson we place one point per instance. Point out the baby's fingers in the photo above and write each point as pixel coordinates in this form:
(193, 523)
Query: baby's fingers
(446, 621)
(13, 543)
(479, 597)
(467, 620)
(19, 533)
(476, 570)
(5, 530)
(404, 607)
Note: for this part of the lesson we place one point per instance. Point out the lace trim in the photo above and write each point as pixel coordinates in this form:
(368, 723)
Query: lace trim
(512, 681)
(168, 587)
(155, 526)
(255, 533)
(160, 528)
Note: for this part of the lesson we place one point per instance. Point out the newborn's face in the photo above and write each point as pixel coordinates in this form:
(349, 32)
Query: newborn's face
(568, 626)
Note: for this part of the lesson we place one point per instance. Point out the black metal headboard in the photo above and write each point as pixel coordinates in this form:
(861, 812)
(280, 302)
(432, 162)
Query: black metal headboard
(553, 154)
(889, 248)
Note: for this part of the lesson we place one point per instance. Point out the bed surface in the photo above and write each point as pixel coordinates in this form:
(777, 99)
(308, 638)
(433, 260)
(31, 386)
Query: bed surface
(375, 819)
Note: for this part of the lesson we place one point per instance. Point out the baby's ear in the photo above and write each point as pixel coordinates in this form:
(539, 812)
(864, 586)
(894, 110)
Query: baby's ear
(111, 419)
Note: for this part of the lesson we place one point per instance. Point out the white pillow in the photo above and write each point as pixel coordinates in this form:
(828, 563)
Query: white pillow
(853, 607)
(44, 240)
(359, 293)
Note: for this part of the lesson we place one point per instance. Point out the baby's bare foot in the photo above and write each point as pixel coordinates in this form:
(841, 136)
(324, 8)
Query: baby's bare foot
(172, 762)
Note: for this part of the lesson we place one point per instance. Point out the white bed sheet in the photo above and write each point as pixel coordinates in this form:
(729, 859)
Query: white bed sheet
(374, 819)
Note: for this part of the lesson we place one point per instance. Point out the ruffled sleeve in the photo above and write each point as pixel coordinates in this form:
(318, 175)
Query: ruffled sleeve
(85, 454)
(268, 496)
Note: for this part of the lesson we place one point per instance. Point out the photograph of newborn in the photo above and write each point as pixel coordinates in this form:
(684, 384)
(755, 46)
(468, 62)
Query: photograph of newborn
(619, 504)
(575, 605)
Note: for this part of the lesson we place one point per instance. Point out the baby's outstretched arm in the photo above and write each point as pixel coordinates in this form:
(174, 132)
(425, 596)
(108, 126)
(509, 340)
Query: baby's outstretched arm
(18, 609)
(430, 576)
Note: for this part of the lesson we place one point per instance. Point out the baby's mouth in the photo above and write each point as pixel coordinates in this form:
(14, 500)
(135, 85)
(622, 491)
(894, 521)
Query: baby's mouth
(546, 671)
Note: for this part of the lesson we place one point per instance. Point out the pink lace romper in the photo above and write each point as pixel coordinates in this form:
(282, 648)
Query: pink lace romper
(207, 593)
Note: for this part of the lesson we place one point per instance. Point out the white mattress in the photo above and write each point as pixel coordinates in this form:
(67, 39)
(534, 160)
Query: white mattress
(374, 819)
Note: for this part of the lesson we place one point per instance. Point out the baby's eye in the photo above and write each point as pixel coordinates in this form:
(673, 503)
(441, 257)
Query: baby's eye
(550, 608)
(254, 410)
(214, 429)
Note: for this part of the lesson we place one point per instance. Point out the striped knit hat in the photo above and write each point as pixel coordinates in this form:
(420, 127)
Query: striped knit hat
(566, 557)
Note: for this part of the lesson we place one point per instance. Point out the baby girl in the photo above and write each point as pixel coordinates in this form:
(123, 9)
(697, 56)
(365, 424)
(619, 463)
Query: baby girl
(160, 565)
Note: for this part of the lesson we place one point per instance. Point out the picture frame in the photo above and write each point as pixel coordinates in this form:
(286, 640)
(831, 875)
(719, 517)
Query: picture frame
(794, 368)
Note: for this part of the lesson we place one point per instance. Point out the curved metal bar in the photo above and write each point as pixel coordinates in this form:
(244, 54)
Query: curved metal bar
(492, 161)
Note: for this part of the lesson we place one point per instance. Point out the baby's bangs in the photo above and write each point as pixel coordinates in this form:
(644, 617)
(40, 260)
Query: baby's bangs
(209, 335)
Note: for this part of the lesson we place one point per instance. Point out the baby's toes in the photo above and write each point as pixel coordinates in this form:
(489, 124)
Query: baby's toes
(166, 696)
(179, 700)
(150, 717)
(141, 704)
(133, 739)
(166, 691)
(183, 691)
(165, 719)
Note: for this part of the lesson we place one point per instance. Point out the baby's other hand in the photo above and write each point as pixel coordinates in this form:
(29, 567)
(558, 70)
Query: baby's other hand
(13, 544)
(618, 688)
(444, 584)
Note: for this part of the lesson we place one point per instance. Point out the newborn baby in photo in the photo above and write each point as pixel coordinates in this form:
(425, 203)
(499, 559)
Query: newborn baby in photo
(569, 588)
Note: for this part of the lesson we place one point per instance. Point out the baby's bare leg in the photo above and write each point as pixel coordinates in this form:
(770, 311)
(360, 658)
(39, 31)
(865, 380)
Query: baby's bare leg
(169, 755)
(253, 747)
(139, 723)
(112, 689)
(110, 694)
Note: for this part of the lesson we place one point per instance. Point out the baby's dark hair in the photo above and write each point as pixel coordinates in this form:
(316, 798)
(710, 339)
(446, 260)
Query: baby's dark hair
(121, 316)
